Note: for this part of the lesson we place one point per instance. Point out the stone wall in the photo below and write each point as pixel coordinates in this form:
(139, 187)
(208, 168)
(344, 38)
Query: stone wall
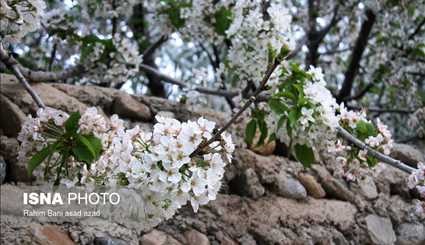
(264, 200)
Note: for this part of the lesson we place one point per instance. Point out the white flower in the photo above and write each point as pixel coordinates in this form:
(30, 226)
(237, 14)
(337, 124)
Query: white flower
(206, 127)
(316, 73)
(158, 165)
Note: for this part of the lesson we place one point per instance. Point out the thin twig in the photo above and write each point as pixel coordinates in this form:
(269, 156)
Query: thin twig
(149, 50)
(181, 84)
(247, 104)
(373, 153)
(52, 57)
(13, 66)
(382, 110)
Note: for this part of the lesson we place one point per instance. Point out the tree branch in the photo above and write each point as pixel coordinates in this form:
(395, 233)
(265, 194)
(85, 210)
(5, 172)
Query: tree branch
(46, 76)
(373, 153)
(314, 36)
(151, 49)
(312, 44)
(181, 84)
(381, 111)
(356, 55)
(52, 57)
(142, 36)
(252, 99)
(417, 30)
(9, 61)
(360, 94)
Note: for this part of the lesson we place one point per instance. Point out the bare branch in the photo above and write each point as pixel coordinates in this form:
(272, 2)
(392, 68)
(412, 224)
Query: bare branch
(314, 36)
(52, 56)
(151, 49)
(45, 76)
(373, 153)
(181, 84)
(13, 66)
(356, 55)
(362, 93)
(417, 29)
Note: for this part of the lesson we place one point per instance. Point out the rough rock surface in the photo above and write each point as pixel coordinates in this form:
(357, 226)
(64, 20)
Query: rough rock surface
(264, 200)
(413, 234)
(408, 154)
(380, 230)
(313, 187)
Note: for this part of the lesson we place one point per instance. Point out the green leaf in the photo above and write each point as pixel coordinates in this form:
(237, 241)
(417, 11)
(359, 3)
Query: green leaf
(371, 161)
(365, 129)
(263, 132)
(250, 130)
(223, 19)
(95, 144)
(304, 154)
(280, 122)
(293, 117)
(71, 125)
(272, 137)
(271, 53)
(284, 51)
(173, 10)
(82, 153)
(277, 106)
(87, 149)
(39, 157)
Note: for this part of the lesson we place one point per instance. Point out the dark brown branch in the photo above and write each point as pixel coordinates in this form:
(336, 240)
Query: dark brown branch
(151, 49)
(312, 44)
(356, 55)
(142, 35)
(181, 84)
(362, 93)
(52, 57)
(46, 76)
(314, 36)
(11, 63)
(417, 29)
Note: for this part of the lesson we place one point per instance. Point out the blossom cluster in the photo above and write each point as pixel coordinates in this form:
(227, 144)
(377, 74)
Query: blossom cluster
(251, 31)
(115, 66)
(19, 18)
(168, 170)
(351, 159)
(253, 36)
(161, 164)
(164, 166)
(38, 132)
(112, 57)
(313, 117)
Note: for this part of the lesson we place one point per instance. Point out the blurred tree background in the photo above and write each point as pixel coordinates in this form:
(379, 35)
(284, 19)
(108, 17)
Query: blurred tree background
(371, 52)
